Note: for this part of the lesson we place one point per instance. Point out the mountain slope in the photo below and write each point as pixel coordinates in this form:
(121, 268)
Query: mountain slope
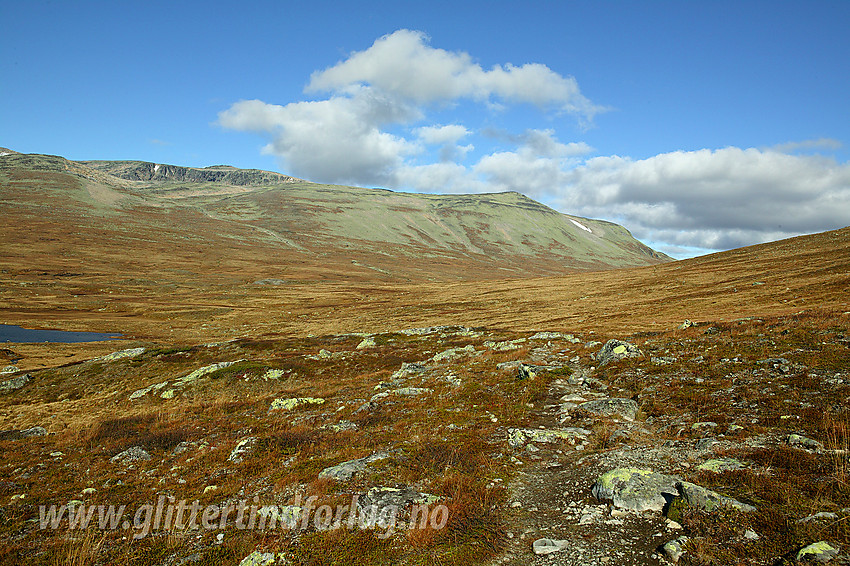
(280, 223)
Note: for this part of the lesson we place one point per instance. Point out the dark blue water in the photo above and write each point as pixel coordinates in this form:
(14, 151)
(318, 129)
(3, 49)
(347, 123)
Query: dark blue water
(11, 333)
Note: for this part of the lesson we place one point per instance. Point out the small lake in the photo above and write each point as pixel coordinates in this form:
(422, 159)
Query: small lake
(11, 333)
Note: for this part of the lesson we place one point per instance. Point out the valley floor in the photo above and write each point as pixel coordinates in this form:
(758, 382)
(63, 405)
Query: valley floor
(523, 447)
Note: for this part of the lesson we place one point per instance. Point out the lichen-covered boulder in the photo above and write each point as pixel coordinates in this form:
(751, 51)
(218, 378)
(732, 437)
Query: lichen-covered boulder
(819, 552)
(615, 350)
(708, 500)
(636, 489)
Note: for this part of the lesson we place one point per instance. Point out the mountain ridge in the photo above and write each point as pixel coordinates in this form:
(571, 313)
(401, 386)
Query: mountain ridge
(403, 236)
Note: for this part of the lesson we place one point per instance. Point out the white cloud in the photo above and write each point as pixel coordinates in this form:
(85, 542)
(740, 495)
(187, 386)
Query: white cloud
(404, 64)
(820, 143)
(713, 199)
(442, 134)
(373, 129)
(335, 140)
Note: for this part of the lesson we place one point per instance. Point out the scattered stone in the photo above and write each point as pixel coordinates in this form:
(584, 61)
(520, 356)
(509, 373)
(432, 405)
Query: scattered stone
(618, 435)
(275, 373)
(750, 534)
(636, 489)
(368, 342)
(210, 489)
(131, 454)
(243, 448)
(282, 515)
(139, 393)
(345, 470)
(616, 350)
(505, 345)
(168, 394)
(258, 558)
(705, 443)
(184, 446)
(819, 552)
(206, 370)
(8, 369)
(412, 391)
(803, 442)
(663, 360)
(88, 491)
(453, 353)
(719, 465)
(120, 355)
(340, 426)
(625, 408)
(526, 372)
(555, 336)
(708, 500)
(289, 404)
(520, 436)
(407, 370)
(686, 324)
(382, 497)
(544, 546)
(675, 549)
(818, 516)
(15, 383)
(15, 434)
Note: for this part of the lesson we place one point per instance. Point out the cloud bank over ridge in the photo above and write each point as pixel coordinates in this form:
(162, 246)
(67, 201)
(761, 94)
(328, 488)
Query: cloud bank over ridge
(380, 124)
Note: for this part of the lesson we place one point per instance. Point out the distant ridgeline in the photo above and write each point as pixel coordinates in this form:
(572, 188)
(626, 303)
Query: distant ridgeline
(144, 171)
(307, 231)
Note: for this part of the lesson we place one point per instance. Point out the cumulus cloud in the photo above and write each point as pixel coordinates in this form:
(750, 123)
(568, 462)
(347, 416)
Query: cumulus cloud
(404, 64)
(364, 132)
(714, 199)
(334, 140)
(373, 128)
(442, 134)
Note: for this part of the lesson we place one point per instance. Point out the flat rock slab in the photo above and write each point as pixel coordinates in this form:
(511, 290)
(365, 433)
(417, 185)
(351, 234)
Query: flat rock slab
(345, 470)
(544, 546)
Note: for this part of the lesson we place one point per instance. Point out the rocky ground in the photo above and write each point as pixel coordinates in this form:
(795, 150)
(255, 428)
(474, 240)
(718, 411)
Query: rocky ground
(712, 443)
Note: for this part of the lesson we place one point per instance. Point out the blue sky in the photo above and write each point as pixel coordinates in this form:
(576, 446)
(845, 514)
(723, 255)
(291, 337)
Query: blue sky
(697, 125)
